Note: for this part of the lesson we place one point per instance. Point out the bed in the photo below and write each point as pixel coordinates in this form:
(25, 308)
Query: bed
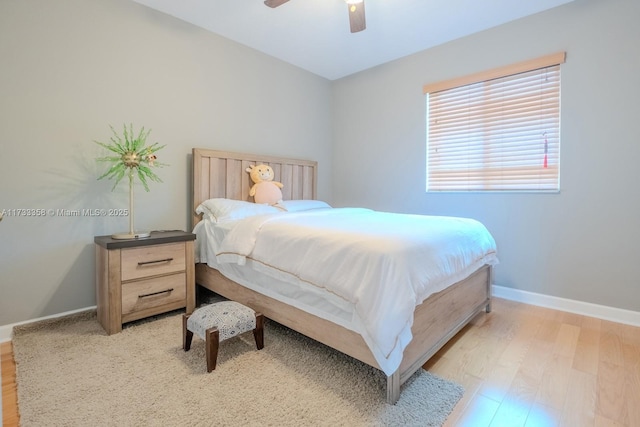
(321, 314)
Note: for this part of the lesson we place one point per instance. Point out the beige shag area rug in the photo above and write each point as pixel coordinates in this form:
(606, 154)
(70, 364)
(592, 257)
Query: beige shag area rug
(70, 373)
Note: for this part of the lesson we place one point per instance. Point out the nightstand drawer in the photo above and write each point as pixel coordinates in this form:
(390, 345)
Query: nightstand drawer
(146, 261)
(154, 292)
(138, 278)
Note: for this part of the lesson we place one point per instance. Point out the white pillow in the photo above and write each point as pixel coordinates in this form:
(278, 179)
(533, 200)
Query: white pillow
(303, 205)
(220, 210)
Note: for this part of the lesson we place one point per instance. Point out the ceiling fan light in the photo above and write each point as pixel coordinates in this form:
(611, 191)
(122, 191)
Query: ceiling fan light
(353, 1)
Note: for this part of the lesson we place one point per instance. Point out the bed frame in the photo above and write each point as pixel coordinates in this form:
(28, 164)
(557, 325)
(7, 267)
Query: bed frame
(436, 320)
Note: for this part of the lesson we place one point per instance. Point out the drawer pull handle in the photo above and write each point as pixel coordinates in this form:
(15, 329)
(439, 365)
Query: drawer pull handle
(155, 293)
(155, 262)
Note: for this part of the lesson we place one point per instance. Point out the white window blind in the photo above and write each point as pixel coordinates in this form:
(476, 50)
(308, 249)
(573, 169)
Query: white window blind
(496, 131)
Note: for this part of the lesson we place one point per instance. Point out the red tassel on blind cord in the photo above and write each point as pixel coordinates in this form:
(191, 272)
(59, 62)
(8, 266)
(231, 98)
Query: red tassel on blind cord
(546, 150)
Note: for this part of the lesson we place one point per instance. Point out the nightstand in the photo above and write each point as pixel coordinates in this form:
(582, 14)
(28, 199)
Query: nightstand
(138, 278)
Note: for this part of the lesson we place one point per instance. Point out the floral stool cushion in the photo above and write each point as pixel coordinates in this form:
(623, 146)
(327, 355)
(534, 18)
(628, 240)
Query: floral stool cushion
(219, 321)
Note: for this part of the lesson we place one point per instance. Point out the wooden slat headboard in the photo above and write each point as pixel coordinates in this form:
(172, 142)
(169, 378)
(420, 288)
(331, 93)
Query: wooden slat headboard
(223, 174)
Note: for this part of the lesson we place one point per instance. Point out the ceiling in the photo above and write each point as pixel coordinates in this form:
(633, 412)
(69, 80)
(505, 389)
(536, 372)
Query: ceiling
(314, 34)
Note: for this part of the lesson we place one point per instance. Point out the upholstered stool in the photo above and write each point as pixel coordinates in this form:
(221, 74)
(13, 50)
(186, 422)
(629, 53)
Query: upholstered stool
(218, 321)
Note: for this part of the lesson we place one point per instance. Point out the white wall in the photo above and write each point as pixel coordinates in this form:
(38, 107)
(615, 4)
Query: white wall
(69, 69)
(580, 244)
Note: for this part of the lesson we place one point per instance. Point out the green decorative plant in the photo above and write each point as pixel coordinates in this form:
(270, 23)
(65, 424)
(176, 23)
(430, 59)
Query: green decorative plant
(133, 158)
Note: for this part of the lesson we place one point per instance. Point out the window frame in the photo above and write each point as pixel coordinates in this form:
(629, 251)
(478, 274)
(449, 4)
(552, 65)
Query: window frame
(489, 183)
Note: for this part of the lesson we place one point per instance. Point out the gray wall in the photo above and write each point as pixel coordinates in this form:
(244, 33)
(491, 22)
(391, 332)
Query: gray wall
(70, 68)
(580, 244)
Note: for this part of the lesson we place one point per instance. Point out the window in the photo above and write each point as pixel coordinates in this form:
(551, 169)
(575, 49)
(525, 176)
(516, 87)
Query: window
(497, 130)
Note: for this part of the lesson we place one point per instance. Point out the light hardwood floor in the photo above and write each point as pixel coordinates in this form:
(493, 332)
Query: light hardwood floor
(521, 365)
(10, 415)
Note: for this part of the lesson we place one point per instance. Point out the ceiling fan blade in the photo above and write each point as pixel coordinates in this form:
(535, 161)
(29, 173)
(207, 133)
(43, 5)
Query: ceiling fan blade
(275, 3)
(356, 17)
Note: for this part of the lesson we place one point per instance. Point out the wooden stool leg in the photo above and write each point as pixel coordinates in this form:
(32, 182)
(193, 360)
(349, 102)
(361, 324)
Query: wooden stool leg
(258, 332)
(211, 345)
(187, 335)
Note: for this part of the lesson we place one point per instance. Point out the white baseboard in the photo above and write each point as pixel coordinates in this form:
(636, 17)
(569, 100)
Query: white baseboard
(618, 315)
(572, 306)
(6, 331)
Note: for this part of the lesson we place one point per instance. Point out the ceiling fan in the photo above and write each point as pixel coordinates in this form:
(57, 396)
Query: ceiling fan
(356, 12)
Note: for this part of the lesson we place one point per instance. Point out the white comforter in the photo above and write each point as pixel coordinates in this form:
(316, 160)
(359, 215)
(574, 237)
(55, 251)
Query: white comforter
(383, 264)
